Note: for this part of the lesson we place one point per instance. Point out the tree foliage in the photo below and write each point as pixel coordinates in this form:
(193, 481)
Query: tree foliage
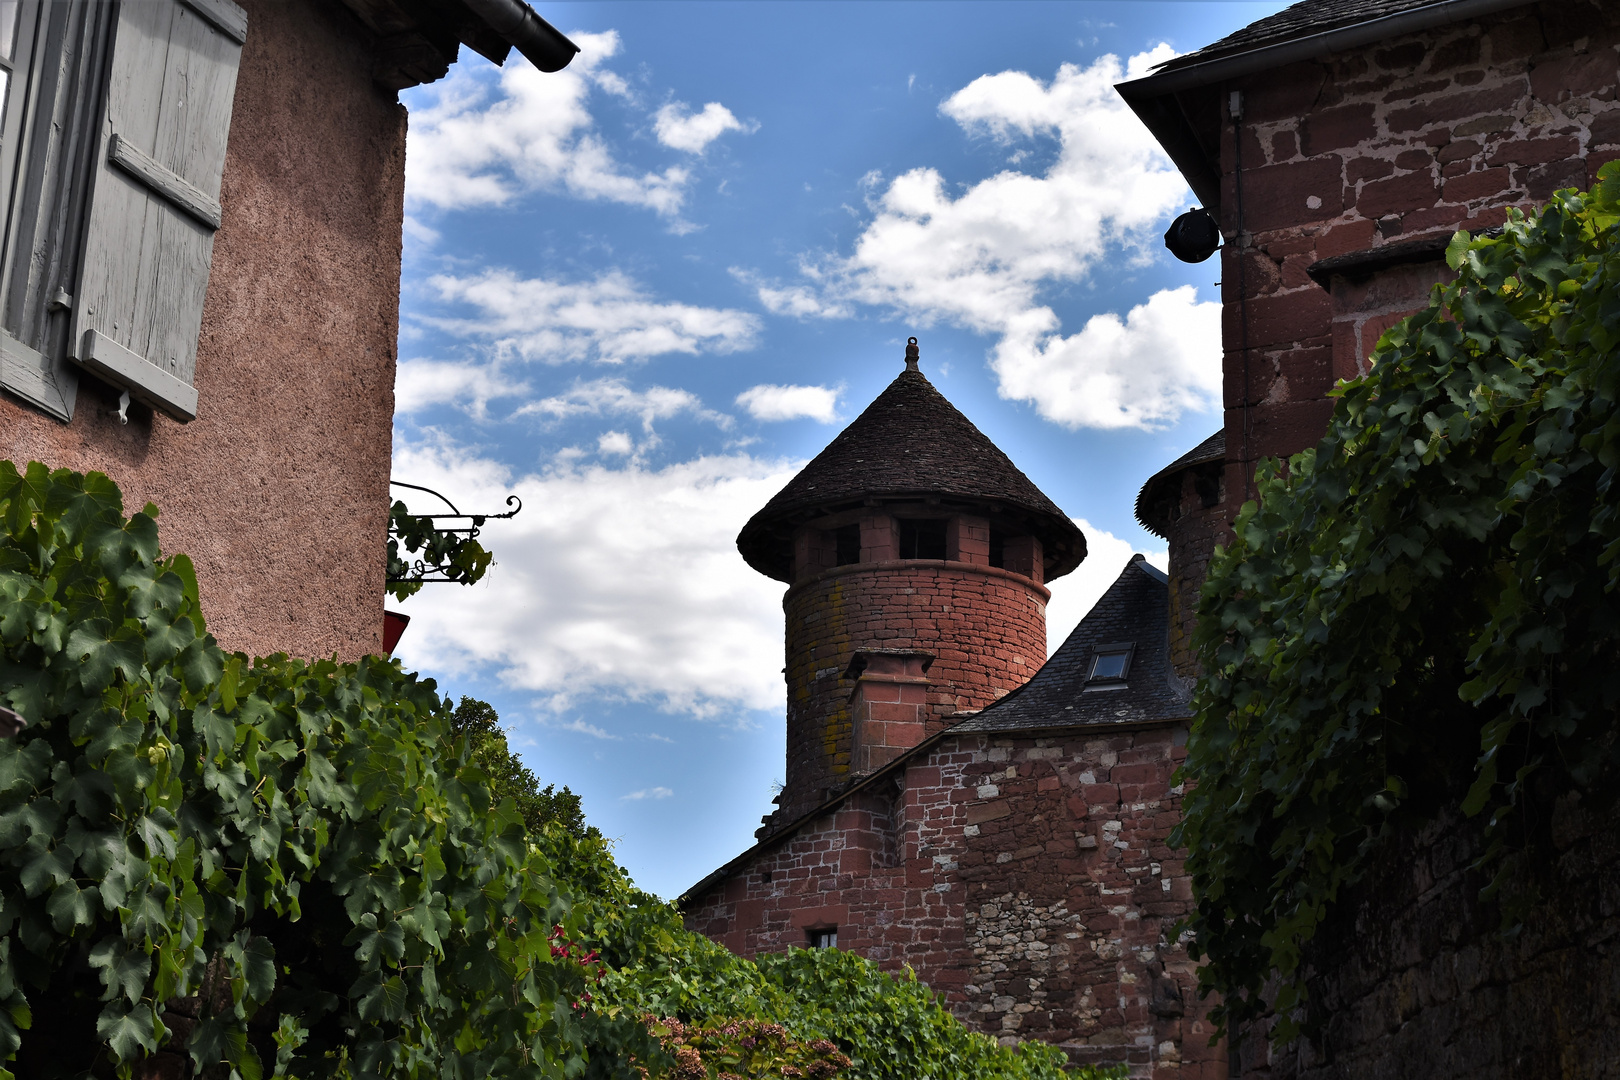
(480, 725)
(1422, 609)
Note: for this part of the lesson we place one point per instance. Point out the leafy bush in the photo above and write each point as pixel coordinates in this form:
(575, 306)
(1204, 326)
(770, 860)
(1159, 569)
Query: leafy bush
(1421, 609)
(266, 864)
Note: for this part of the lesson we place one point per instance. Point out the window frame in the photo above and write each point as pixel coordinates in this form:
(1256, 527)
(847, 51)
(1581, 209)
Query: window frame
(1127, 649)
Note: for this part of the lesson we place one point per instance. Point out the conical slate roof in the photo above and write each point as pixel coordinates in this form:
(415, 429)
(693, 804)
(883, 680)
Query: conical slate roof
(1156, 501)
(910, 442)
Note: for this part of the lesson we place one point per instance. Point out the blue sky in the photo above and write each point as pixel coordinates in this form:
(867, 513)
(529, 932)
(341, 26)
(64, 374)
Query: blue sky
(641, 292)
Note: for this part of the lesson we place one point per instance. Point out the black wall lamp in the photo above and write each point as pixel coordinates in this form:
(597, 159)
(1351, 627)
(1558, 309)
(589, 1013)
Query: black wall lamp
(1193, 237)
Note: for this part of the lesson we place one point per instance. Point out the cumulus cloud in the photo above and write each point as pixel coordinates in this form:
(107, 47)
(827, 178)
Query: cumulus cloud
(679, 128)
(609, 320)
(578, 727)
(613, 582)
(1074, 595)
(483, 140)
(615, 443)
(1143, 371)
(615, 397)
(769, 402)
(422, 383)
(983, 257)
(648, 793)
(799, 301)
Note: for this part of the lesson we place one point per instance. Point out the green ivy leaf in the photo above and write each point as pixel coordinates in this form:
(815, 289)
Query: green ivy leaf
(123, 970)
(129, 1033)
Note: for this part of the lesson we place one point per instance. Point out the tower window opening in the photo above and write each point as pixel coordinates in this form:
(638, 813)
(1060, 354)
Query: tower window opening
(824, 939)
(998, 541)
(922, 538)
(847, 544)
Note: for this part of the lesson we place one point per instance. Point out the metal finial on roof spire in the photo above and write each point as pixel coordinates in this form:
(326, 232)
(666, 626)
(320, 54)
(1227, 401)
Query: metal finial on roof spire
(911, 354)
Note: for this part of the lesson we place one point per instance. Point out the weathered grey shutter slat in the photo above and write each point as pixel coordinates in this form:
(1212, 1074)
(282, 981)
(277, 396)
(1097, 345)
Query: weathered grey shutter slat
(144, 381)
(226, 17)
(174, 188)
(50, 131)
(29, 375)
(154, 206)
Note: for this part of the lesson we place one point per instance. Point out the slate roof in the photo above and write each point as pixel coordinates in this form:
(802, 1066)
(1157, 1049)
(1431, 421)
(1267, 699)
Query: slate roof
(1301, 20)
(911, 441)
(1211, 449)
(1136, 608)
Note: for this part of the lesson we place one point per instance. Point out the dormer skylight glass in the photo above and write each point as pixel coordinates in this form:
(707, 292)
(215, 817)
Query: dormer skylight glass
(1110, 665)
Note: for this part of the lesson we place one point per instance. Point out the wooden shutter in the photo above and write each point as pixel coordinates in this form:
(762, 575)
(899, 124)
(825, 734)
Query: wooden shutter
(52, 118)
(154, 202)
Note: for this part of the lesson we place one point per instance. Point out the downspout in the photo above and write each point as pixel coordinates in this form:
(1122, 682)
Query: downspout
(543, 44)
(1235, 108)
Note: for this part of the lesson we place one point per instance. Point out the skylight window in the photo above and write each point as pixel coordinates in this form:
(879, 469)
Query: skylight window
(1110, 666)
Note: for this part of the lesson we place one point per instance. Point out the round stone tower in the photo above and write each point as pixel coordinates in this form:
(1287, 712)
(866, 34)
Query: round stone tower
(917, 556)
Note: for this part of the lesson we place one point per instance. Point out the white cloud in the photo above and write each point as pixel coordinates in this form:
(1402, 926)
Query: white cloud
(607, 320)
(483, 140)
(619, 583)
(768, 402)
(615, 397)
(648, 793)
(471, 386)
(1074, 595)
(578, 727)
(616, 443)
(982, 257)
(679, 128)
(1144, 371)
(799, 301)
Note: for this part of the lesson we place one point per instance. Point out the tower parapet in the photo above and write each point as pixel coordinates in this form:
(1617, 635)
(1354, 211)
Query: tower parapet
(917, 556)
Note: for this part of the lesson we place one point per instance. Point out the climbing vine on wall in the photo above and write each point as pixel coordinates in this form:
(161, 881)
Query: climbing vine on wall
(1422, 610)
(419, 548)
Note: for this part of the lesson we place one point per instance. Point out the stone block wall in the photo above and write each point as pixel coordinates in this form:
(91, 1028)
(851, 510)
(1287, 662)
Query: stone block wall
(1414, 137)
(1026, 878)
(1415, 979)
(984, 626)
(1198, 525)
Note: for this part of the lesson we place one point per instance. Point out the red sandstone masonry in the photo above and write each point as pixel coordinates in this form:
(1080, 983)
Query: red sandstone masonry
(986, 628)
(1027, 879)
(1415, 136)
